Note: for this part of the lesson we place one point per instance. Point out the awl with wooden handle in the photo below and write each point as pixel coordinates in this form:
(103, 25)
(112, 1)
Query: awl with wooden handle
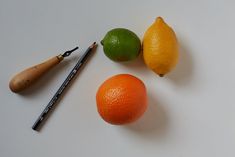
(27, 77)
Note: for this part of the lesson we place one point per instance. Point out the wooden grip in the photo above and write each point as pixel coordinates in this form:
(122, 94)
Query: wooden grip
(27, 77)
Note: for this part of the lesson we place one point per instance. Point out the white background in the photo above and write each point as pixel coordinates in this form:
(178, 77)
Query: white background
(191, 110)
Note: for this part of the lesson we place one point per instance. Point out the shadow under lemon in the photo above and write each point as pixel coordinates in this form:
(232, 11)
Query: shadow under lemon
(181, 75)
(183, 72)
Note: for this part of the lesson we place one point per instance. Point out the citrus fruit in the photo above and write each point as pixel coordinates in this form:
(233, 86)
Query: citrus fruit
(121, 99)
(160, 47)
(121, 44)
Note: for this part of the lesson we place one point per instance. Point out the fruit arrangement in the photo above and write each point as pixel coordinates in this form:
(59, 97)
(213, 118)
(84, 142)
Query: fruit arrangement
(123, 98)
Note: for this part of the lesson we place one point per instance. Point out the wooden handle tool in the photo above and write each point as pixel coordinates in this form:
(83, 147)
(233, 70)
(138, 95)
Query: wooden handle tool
(30, 75)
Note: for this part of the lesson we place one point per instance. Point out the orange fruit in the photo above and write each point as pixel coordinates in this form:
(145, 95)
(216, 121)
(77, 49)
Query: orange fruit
(121, 99)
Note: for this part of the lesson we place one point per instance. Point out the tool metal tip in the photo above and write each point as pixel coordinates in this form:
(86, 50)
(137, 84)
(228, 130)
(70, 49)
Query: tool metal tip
(67, 53)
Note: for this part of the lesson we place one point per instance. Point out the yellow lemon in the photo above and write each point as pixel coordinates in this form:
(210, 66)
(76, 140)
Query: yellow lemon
(160, 47)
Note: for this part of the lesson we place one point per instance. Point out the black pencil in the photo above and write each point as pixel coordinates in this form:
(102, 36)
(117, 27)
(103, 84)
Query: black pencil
(59, 92)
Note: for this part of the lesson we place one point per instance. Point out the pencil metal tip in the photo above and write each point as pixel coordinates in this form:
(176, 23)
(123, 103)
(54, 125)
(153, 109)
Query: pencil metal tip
(93, 45)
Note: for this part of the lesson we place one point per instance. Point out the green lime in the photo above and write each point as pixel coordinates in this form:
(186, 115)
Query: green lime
(121, 44)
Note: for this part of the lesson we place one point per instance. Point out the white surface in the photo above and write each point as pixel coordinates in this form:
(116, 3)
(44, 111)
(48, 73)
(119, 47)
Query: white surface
(191, 110)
